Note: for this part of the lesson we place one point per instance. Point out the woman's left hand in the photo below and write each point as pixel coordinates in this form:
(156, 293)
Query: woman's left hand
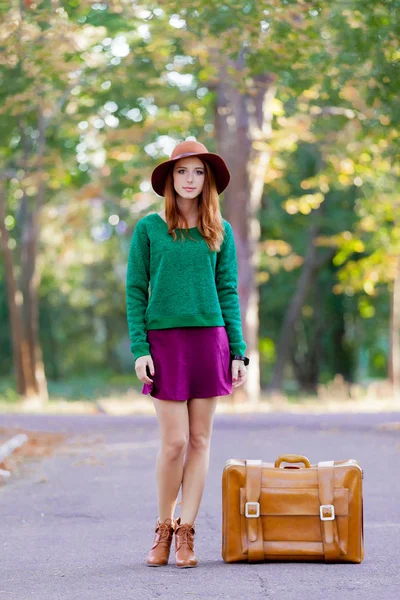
(239, 373)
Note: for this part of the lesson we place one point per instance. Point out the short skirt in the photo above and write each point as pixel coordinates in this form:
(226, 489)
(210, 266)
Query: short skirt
(189, 362)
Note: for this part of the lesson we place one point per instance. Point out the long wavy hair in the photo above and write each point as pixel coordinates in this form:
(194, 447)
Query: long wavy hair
(210, 219)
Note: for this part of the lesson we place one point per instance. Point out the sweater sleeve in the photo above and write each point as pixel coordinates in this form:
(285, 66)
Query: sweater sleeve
(227, 281)
(137, 290)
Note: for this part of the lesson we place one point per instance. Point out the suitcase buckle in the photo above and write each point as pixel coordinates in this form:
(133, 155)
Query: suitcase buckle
(329, 507)
(252, 515)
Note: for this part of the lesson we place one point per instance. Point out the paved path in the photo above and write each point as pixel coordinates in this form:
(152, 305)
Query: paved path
(77, 525)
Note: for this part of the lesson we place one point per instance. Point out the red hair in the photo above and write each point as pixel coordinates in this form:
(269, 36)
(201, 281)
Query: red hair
(210, 219)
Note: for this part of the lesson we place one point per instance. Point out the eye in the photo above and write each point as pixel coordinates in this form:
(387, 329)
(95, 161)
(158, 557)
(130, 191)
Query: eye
(180, 171)
(200, 172)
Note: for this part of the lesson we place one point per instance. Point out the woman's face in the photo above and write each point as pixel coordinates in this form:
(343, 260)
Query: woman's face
(188, 175)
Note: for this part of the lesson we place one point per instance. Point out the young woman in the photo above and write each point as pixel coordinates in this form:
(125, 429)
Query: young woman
(185, 331)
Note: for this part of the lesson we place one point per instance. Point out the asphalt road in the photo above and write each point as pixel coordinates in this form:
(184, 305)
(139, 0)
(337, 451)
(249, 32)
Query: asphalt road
(78, 525)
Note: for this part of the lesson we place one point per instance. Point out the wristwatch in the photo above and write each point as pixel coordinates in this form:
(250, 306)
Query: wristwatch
(245, 359)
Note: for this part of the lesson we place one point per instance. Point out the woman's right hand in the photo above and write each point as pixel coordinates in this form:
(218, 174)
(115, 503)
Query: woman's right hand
(144, 367)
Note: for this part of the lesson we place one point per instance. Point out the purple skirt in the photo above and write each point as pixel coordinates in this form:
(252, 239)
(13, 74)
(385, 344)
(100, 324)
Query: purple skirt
(189, 362)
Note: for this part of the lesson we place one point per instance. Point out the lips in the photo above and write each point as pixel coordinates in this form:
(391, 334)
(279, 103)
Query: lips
(188, 189)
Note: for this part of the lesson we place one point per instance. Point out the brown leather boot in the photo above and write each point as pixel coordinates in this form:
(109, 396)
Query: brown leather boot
(159, 553)
(184, 545)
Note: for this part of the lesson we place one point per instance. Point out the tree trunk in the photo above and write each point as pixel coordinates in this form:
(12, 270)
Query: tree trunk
(109, 344)
(243, 127)
(29, 276)
(305, 356)
(312, 264)
(29, 285)
(285, 343)
(23, 302)
(394, 350)
(23, 373)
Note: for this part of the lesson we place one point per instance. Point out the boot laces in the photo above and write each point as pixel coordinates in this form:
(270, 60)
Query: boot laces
(163, 531)
(185, 534)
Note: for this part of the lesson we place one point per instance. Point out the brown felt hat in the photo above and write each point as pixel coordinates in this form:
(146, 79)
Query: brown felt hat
(184, 150)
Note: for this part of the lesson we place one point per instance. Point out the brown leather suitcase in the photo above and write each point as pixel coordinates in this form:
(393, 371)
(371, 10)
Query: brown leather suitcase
(292, 513)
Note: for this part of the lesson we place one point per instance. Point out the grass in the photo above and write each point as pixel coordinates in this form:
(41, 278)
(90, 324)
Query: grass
(115, 393)
(88, 387)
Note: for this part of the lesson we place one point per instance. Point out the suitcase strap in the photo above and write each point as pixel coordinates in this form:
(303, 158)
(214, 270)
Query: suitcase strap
(329, 529)
(252, 511)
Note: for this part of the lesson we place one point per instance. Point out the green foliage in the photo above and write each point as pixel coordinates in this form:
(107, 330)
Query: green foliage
(115, 84)
(90, 386)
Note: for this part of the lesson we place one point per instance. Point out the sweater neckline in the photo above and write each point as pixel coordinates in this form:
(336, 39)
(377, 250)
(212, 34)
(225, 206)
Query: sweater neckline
(178, 228)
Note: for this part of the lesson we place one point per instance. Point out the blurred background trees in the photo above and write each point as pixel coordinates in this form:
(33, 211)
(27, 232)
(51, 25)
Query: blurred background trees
(300, 97)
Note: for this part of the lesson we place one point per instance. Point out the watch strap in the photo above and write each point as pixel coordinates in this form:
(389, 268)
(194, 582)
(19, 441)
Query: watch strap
(245, 359)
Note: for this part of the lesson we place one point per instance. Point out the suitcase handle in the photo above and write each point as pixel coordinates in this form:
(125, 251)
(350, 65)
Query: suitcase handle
(292, 458)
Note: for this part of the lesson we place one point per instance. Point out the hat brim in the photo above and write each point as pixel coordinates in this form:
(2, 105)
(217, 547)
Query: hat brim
(218, 165)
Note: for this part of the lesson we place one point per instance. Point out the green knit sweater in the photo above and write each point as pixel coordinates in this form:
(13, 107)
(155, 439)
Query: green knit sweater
(180, 284)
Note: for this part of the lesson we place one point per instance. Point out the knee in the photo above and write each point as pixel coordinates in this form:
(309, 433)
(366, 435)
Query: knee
(174, 449)
(199, 441)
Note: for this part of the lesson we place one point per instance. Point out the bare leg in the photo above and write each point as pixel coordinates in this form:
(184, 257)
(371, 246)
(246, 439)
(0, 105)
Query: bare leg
(173, 420)
(201, 416)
